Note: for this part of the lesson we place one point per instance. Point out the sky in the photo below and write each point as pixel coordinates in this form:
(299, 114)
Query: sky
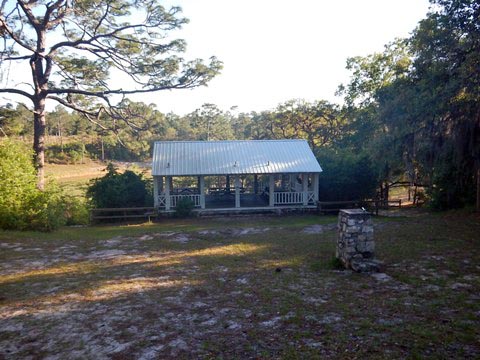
(277, 50)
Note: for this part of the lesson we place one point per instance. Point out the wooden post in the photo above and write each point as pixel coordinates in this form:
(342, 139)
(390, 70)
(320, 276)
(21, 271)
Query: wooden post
(168, 183)
(227, 184)
(237, 191)
(202, 192)
(316, 185)
(255, 184)
(271, 189)
(155, 191)
(305, 188)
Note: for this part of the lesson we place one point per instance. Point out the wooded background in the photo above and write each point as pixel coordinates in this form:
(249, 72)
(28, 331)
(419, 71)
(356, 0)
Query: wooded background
(410, 115)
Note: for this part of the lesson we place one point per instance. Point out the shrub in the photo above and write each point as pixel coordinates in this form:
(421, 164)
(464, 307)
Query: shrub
(184, 208)
(76, 211)
(17, 184)
(46, 212)
(449, 188)
(22, 205)
(116, 190)
(346, 176)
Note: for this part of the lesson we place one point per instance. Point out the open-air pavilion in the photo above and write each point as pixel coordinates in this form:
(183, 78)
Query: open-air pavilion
(235, 175)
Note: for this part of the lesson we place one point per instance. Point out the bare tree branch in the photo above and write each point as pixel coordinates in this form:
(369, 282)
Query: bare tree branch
(16, 91)
(11, 33)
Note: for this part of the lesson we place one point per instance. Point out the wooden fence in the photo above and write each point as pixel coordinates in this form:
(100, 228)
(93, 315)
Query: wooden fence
(371, 205)
(97, 215)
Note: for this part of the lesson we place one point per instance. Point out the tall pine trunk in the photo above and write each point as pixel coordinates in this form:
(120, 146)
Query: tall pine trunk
(40, 67)
(40, 125)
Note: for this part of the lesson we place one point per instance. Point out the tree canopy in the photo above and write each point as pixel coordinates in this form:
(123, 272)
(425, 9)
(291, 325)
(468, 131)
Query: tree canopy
(75, 48)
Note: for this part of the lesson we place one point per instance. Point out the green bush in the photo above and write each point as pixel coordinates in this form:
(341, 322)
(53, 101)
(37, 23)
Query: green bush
(116, 190)
(72, 153)
(76, 211)
(449, 188)
(46, 211)
(184, 208)
(346, 176)
(22, 205)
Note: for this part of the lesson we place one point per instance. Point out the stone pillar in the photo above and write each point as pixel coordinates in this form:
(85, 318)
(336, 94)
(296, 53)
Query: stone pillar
(355, 243)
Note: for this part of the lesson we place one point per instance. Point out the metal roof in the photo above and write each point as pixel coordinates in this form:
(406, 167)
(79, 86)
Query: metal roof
(184, 158)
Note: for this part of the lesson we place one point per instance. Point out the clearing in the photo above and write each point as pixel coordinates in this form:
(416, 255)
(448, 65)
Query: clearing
(75, 178)
(241, 287)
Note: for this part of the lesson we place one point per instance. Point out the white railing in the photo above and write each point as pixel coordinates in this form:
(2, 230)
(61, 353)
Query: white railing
(174, 199)
(311, 197)
(193, 198)
(288, 197)
(293, 197)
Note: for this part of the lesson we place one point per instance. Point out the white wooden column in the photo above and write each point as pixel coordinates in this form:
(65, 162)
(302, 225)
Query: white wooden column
(155, 191)
(202, 192)
(316, 178)
(237, 191)
(271, 189)
(168, 183)
(305, 188)
(227, 184)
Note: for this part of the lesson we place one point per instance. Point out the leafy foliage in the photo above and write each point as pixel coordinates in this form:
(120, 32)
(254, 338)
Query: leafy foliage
(346, 176)
(417, 104)
(116, 190)
(22, 205)
(184, 208)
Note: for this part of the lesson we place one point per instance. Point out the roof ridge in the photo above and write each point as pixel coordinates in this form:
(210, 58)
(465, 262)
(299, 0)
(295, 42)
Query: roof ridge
(217, 141)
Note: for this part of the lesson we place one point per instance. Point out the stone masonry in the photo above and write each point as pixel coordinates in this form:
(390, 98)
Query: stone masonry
(355, 243)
